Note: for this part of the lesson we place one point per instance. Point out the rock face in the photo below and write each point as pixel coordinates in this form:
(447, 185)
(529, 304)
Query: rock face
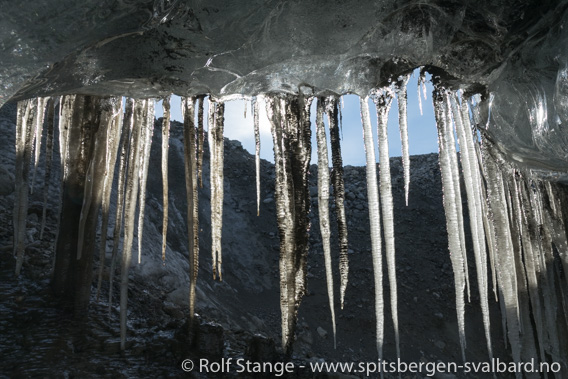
(512, 53)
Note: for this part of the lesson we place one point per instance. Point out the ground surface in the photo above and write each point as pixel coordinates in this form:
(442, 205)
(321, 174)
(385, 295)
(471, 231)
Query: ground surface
(239, 316)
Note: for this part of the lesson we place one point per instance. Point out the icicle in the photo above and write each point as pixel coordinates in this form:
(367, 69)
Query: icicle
(38, 129)
(450, 208)
(530, 265)
(403, 126)
(125, 147)
(290, 125)
(147, 134)
(504, 253)
(200, 139)
(457, 189)
(131, 195)
(26, 111)
(323, 206)
(255, 116)
(48, 159)
(383, 102)
(112, 117)
(216, 148)
(472, 182)
(190, 159)
(421, 79)
(339, 194)
(165, 149)
(375, 221)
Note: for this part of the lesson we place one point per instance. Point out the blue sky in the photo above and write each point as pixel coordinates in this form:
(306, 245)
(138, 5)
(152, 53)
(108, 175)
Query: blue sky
(421, 128)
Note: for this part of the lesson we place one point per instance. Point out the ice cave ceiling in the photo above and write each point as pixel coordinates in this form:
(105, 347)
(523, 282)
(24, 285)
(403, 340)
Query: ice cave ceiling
(512, 52)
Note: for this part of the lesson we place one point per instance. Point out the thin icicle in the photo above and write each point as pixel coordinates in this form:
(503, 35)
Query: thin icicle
(383, 102)
(339, 194)
(216, 148)
(472, 181)
(131, 195)
(147, 134)
(113, 119)
(450, 208)
(190, 164)
(421, 82)
(530, 266)
(24, 139)
(125, 147)
(165, 149)
(200, 139)
(403, 126)
(375, 223)
(38, 129)
(504, 253)
(256, 120)
(457, 189)
(323, 206)
(48, 159)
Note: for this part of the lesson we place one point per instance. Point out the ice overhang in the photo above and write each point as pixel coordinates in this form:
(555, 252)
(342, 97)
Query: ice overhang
(512, 52)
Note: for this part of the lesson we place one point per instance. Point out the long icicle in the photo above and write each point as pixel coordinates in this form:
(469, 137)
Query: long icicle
(285, 220)
(450, 209)
(113, 117)
(471, 177)
(148, 132)
(457, 190)
(339, 194)
(323, 207)
(256, 121)
(375, 223)
(24, 140)
(165, 150)
(38, 130)
(190, 159)
(216, 148)
(403, 126)
(132, 182)
(504, 254)
(383, 102)
(125, 145)
(200, 139)
(48, 159)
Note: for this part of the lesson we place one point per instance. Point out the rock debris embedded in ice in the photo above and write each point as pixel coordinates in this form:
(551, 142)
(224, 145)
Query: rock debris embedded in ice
(200, 138)
(323, 206)
(339, 194)
(290, 124)
(164, 165)
(383, 100)
(216, 152)
(256, 122)
(190, 160)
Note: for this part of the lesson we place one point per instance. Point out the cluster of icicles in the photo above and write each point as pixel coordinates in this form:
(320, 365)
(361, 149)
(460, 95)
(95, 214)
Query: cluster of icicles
(517, 221)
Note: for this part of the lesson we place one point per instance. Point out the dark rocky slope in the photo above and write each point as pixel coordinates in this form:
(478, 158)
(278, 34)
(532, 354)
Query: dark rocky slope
(239, 316)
